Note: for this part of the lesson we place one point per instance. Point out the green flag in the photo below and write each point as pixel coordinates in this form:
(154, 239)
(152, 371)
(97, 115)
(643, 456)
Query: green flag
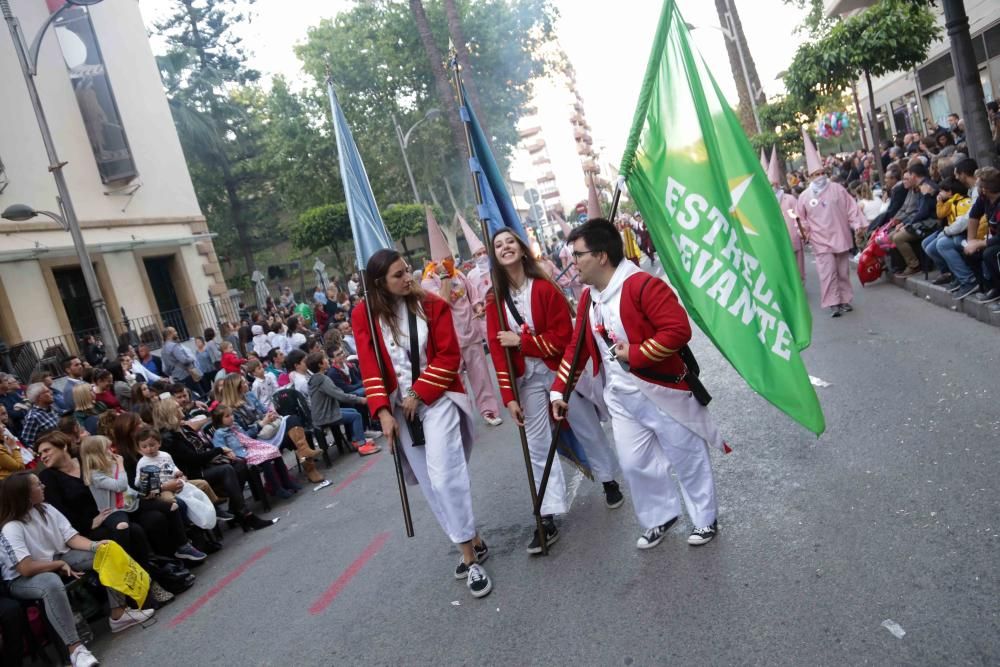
(716, 223)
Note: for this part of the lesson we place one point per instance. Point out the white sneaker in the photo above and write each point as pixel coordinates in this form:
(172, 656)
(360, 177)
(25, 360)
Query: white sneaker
(371, 435)
(129, 618)
(82, 657)
(492, 421)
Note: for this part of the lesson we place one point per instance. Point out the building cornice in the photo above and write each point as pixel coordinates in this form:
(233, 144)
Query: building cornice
(50, 226)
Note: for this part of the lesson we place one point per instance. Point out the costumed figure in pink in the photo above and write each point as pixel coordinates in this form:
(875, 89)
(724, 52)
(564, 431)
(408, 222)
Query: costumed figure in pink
(828, 214)
(440, 277)
(480, 281)
(787, 203)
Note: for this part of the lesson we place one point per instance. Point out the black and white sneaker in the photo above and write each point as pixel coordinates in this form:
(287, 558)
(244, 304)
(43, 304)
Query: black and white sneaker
(700, 536)
(954, 286)
(482, 553)
(653, 536)
(988, 297)
(479, 582)
(966, 290)
(846, 308)
(613, 497)
(551, 536)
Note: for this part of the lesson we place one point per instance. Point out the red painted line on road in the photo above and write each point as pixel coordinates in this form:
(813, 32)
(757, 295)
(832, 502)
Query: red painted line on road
(328, 596)
(354, 475)
(215, 590)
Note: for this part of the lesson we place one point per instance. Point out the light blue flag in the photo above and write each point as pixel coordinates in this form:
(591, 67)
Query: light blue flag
(370, 234)
(497, 208)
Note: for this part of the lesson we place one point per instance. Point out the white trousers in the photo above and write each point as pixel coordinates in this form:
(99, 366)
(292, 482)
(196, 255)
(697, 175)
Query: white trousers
(534, 394)
(649, 444)
(440, 467)
(586, 424)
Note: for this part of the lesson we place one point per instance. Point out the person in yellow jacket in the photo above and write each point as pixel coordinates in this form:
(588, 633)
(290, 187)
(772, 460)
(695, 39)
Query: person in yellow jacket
(944, 245)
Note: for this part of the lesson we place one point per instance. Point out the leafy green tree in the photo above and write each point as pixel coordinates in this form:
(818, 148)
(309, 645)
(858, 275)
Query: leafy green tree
(205, 59)
(890, 36)
(326, 226)
(404, 220)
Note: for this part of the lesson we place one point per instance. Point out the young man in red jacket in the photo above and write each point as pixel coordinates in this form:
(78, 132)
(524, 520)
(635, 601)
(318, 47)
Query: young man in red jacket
(634, 328)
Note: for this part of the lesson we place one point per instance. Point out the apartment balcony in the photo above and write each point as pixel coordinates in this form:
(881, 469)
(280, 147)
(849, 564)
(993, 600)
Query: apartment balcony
(535, 146)
(542, 161)
(547, 176)
(529, 132)
(551, 194)
(585, 149)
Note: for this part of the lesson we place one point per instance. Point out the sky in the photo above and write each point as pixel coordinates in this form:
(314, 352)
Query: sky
(608, 44)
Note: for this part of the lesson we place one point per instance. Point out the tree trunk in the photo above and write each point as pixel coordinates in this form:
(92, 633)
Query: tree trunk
(735, 45)
(444, 91)
(462, 53)
(876, 134)
(963, 57)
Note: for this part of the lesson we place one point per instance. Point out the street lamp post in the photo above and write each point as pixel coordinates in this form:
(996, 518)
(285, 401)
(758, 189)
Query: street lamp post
(404, 141)
(28, 58)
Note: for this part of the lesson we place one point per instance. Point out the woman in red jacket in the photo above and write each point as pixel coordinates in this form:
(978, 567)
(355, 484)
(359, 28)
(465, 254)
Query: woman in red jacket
(426, 401)
(536, 327)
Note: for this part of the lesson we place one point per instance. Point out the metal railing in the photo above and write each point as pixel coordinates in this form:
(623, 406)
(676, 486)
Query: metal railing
(24, 358)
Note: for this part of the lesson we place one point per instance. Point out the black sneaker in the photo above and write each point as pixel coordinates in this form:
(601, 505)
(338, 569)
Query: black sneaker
(943, 279)
(846, 308)
(551, 536)
(700, 536)
(954, 286)
(653, 536)
(223, 515)
(613, 497)
(835, 311)
(966, 290)
(479, 582)
(988, 297)
(482, 553)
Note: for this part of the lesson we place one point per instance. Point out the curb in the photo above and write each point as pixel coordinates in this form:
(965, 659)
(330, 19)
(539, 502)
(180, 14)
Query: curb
(939, 296)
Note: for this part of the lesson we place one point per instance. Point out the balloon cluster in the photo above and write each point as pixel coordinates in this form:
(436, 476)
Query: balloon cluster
(832, 124)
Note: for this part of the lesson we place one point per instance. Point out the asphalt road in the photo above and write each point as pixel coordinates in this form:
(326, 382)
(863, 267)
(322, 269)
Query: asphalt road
(891, 515)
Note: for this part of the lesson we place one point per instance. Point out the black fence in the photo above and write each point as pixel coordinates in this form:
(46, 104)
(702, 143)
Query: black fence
(23, 359)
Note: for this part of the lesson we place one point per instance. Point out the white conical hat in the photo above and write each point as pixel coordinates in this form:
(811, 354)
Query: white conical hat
(475, 245)
(763, 159)
(773, 171)
(438, 243)
(813, 161)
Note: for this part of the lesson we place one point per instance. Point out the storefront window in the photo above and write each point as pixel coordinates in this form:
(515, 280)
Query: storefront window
(94, 96)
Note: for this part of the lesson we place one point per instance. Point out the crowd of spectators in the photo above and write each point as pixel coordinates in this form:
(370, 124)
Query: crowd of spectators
(104, 453)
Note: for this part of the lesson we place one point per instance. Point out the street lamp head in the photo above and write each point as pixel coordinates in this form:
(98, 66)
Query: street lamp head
(18, 213)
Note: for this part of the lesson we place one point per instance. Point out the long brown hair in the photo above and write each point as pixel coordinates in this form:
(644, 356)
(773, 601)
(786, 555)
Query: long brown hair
(381, 302)
(532, 268)
(123, 435)
(15, 497)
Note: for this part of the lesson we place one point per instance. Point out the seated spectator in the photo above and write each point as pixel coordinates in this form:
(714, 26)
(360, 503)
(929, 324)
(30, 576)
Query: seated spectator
(347, 335)
(42, 415)
(39, 548)
(121, 383)
(870, 207)
(13, 456)
(199, 460)
(12, 398)
(260, 343)
(345, 375)
(297, 332)
(87, 411)
(143, 396)
(325, 399)
(231, 362)
(264, 384)
(229, 435)
(913, 226)
(73, 368)
(104, 390)
(298, 374)
(149, 361)
(985, 251)
(952, 203)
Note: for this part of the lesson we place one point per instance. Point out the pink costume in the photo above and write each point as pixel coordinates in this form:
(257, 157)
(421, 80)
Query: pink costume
(787, 203)
(828, 215)
(462, 297)
(570, 278)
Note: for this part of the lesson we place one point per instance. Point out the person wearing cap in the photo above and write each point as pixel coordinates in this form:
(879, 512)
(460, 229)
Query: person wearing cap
(787, 204)
(261, 344)
(41, 417)
(442, 278)
(828, 213)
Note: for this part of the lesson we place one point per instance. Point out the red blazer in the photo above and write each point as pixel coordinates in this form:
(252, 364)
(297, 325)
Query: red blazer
(655, 324)
(553, 329)
(444, 357)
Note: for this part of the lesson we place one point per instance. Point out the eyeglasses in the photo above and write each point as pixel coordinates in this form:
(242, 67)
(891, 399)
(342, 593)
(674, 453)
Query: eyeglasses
(577, 254)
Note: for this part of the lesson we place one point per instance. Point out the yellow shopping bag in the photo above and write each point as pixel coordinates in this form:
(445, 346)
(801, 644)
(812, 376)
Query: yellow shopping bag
(119, 572)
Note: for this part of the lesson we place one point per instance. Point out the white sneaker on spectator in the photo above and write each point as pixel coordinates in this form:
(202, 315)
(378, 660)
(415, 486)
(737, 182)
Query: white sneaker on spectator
(372, 434)
(82, 657)
(492, 419)
(129, 618)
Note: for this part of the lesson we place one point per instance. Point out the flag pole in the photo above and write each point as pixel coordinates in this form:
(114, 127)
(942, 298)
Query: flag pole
(396, 456)
(535, 496)
(571, 376)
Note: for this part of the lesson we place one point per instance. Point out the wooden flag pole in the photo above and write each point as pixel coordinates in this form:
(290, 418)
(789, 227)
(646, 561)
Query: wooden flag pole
(535, 497)
(571, 376)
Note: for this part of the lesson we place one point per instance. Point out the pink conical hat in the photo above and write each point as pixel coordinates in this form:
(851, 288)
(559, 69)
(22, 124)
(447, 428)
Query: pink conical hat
(593, 202)
(763, 159)
(439, 244)
(475, 245)
(813, 161)
(773, 172)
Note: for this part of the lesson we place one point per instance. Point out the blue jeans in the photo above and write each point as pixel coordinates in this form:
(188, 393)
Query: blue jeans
(352, 418)
(929, 245)
(950, 250)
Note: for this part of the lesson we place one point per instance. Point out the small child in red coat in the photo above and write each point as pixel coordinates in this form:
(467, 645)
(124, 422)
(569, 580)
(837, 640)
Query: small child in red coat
(230, 361)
